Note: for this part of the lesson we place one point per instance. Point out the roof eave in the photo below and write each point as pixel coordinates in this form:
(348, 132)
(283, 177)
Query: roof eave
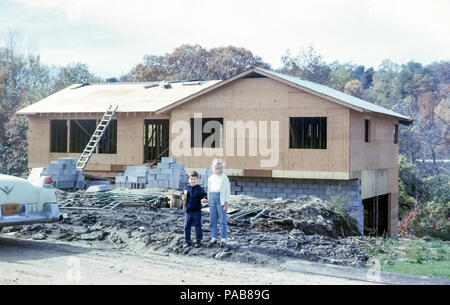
(327, 97)
(406, 122)
(402, 119)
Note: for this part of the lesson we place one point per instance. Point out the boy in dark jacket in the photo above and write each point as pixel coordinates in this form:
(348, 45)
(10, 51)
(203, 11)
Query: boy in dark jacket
(196, 195)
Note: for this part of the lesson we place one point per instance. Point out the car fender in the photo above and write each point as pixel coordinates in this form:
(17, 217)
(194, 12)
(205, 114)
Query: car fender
(45, 193)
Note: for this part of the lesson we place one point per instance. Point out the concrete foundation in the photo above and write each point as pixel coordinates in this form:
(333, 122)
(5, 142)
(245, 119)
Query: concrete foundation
(293, 188)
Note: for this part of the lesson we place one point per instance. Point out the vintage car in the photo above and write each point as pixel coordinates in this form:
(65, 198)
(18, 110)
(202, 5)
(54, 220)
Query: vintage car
(27, 202)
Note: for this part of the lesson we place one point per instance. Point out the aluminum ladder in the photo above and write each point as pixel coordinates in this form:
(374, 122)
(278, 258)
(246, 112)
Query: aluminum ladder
(96, 137)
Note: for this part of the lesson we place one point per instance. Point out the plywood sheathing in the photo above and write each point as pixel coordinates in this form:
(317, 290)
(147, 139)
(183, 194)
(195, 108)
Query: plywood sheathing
(268, 100)
(375, 162)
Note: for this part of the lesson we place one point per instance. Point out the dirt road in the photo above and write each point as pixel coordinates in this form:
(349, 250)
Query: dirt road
(53, 262)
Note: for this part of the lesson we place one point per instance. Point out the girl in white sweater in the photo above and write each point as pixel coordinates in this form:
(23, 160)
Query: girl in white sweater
(219, 195)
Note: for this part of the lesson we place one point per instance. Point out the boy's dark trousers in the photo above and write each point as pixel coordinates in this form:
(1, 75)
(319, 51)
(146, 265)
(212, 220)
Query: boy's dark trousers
(193, 219)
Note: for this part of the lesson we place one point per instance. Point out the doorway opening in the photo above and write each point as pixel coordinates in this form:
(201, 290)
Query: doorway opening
(376, 215)
(156, 140)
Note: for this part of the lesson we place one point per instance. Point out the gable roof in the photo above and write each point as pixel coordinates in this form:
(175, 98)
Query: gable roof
(130, 97)
(313, 88)
(149, 97)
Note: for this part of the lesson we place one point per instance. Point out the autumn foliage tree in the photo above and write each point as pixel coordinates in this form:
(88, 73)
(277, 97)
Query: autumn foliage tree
(189, 62)
(354, 87)
(72, 74)
(308, 64)
(24, 79)
(229, 61)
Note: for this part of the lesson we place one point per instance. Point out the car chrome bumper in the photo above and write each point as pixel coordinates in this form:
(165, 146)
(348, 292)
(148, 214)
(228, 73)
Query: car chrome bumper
(49, 214)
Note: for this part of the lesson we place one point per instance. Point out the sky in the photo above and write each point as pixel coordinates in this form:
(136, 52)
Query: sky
(112, 36)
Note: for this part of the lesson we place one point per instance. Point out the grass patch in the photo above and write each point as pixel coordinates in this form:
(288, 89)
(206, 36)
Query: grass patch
(417, 257)
(434, 269)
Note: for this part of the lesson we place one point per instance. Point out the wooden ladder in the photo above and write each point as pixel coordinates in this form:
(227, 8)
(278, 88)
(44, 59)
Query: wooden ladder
(96, 137)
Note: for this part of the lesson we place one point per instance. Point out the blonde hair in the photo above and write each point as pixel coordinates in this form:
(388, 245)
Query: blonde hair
(219, 162)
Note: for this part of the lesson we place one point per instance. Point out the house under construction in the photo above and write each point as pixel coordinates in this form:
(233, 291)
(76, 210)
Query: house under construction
(326, 140)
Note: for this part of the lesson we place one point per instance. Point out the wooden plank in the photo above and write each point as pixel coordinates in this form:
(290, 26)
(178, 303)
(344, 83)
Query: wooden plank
(97, 177)
(376, 215)
(257, 173)
(68, 135)
(118, 167)
(297, 174)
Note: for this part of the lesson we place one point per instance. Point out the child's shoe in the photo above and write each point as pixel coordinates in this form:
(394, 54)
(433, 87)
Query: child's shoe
(212, 243)
(198, 244)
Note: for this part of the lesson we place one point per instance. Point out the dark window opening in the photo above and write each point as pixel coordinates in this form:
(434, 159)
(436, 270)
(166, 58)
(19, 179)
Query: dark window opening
(395, 134)
(80, 134)
(207, 127)
(367, 130)
(58, 136)
(108, 143)
(376, 220)
(308, 133)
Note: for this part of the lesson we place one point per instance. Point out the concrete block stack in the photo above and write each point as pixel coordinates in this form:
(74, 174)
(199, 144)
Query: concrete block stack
(134, 177)
(80, 180)
(121, 180)
(167, 174)
(65, 175)
(203, 174)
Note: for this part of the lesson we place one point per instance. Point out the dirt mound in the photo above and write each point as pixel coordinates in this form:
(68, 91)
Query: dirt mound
(307, 214)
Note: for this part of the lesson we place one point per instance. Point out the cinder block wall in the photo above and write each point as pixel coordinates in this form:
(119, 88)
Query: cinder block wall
(293, 188)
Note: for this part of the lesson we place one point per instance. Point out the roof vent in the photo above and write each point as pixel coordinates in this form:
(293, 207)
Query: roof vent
(81, 85)
(148, 86)
(165, 85)
(196, 83)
